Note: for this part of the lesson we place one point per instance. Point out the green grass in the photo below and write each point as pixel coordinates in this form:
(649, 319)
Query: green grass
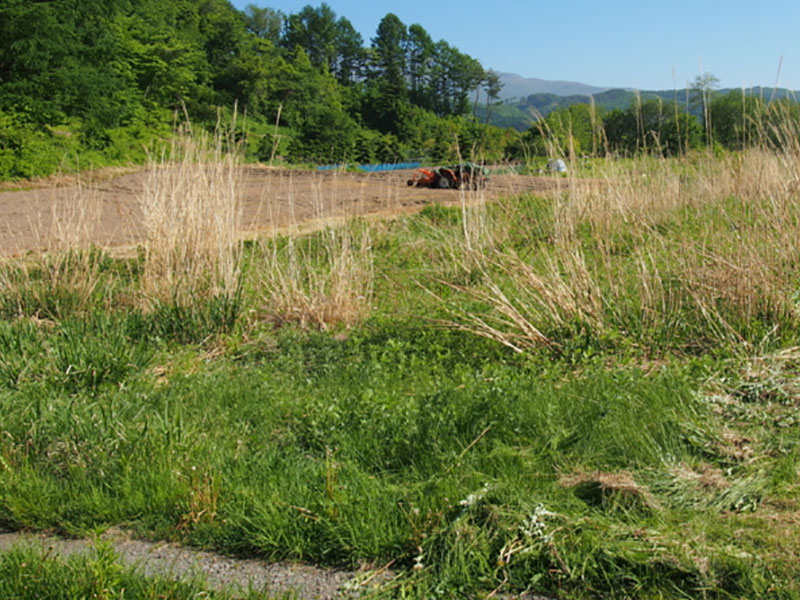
(302, 446)
(644, 454)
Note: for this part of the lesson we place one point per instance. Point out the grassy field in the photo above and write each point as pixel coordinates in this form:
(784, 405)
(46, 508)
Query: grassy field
(587, 395)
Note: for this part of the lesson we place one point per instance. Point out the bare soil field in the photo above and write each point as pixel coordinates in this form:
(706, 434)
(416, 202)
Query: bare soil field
(107, 208)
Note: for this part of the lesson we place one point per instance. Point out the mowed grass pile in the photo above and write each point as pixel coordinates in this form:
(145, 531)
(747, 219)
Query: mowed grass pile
(591, 394)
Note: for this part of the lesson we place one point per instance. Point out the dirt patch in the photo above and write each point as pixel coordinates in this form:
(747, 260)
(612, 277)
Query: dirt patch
(107, 208)
(609, 490)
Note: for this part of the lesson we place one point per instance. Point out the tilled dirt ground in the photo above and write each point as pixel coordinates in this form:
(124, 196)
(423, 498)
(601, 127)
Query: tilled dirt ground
(107, 209)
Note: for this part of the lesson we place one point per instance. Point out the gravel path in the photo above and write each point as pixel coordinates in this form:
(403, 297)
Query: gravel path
(163, 559)
(220, 572)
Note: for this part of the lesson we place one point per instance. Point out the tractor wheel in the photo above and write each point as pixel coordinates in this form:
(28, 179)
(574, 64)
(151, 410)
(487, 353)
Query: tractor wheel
(443, 182)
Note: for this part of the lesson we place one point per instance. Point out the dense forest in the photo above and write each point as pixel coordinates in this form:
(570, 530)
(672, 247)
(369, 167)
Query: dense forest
(91, 82)
(99, 80)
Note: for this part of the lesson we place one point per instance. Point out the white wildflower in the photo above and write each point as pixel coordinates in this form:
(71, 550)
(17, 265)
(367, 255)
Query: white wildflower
(476, 497)
(534, 527)
(418, 564)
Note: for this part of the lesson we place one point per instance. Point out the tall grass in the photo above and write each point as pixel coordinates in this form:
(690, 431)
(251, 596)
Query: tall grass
(192, 217)
(321, 279)
(693, 252)
(189, 270)
(69, 274)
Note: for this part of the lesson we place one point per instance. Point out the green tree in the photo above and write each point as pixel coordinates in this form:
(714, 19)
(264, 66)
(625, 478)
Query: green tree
(314, 30)
(350, 59)
(389, 55)
(652, 126)
(703, 90)
(57, 60)
(326, 135)
(222, 35)
(737, 119)
(154, 59)
(301, 88)
(570, 132)
(493, 86)
(257, 70)
(439, 88)
(264, 23)
(331, 44)
(467, 75)
(419, 52)
(385, 104)
(452, 76)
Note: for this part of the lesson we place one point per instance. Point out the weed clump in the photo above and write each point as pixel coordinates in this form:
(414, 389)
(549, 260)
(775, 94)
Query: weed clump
(192, 219)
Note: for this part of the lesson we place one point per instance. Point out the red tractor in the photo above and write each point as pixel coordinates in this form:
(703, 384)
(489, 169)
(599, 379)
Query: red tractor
(455, 177)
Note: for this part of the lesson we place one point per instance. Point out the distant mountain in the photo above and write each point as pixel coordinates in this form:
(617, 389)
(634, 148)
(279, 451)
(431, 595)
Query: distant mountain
(520, 112)
(516, 86)
(542, 104)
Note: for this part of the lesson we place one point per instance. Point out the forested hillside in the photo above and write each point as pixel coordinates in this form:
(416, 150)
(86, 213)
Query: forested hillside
(96, 81)
(519, 113)
(85, 83)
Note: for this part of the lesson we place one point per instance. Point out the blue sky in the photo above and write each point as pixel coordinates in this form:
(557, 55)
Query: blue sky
(641, 44)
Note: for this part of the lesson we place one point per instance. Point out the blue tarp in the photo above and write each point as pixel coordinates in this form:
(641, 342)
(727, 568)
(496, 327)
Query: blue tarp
(374, 168)
(390, 166)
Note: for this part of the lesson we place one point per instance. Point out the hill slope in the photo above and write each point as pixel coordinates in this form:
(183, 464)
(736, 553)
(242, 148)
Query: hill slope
(520, 112)
(517, 86)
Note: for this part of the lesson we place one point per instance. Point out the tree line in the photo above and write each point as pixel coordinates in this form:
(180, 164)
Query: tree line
(91, 82)
(706, 118)
(97, 80)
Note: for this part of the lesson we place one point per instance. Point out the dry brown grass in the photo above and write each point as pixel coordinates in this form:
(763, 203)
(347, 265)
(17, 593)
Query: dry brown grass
(320, 279)
(191, 251)
(651, 240)
(318, 273)
(609, 487)
(704, 477)
(192, 215)
(68, 264)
